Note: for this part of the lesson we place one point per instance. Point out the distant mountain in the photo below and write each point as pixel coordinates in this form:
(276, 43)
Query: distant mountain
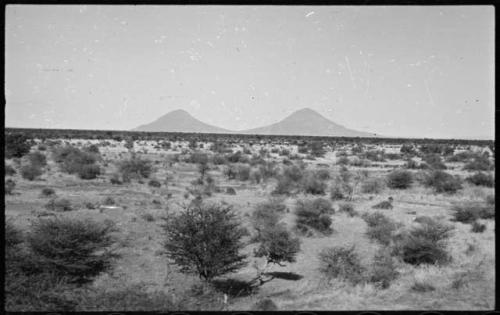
(307, 122)
(180, 121)
(304, 122)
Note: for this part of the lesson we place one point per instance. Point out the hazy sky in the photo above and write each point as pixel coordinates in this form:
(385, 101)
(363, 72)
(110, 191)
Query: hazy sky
(414, 71)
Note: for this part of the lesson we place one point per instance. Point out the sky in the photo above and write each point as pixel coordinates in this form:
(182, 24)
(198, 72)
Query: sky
(399, 71)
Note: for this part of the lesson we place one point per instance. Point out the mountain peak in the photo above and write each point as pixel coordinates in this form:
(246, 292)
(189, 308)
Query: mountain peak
(180, 120)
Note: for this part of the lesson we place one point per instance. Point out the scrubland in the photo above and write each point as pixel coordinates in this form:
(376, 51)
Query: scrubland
(99, 225)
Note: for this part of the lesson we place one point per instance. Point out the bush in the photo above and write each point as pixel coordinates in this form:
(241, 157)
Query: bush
(72, 160)
(9, 186)
(479, 163)
(108, 201)
(219, 159)
(443, 182)
(312, 185)
(76, 248)
(16, 145)
(481, 179)
(434, 161)
(205, 239)
(313, 215)
(135, 168)
(399, 179)
(88, 171)
(154, 183)
(230, 191)
(277, 244)
(47, 192)
(337, 192)
(31, 172)
(284, 186)
(478, 227)
(293, 172)
(59, 205)
(9, 170)
(341, 262)
(469, 212)
(37, 158)
(380, 227)
(322, 174)
(115, 179)
(383, 270)
(135, 298)
(425, 244)
(343, 160)
(372, 186)
(265, 305)
(348, 208)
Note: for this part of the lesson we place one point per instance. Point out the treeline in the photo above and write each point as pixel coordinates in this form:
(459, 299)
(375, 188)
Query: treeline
(233, 138)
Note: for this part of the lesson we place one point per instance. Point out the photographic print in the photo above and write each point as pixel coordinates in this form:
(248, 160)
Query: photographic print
(249, 158)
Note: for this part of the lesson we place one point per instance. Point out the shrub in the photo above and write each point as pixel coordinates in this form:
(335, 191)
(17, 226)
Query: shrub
(154, 183)
(343, 160)
(386, 204)
(47, 192)
(337, 192)
(399, 179)
(479, 163)
(311, 215)
(9, 170)
(61, 204)
(88, 171)
(135, 168)
(277, 244)
(135, 298)
(16, 145)
(443, 182)
(481, 179)
(372, 186)
(115, 179)
(76, 248)
(72, 160)
(478, 227)
(219, 159)
(434, 161)
(230, 191)
(425, 244)
(468, 212)
(294, 173)
(268, 170)
(284, 186)
(37, 158)
(31, 172)
(108, 201)
(205, 239)
(198, 158)
(237, 157)
(312, 185)
(322, 174)
(265, 305)
(380, 227)
(383, 270)
(317, 149)
(411, 164)
(264, 216)
(9, 186)
(341, 262)
(348, 208)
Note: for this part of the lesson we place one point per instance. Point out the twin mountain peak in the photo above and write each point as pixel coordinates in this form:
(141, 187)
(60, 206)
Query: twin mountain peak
(304, 122)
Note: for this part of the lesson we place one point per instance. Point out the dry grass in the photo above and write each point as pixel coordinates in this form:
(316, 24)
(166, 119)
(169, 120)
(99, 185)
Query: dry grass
(466, 283)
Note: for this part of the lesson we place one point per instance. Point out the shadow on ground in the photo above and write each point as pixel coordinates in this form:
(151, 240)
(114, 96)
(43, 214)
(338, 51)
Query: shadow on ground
(234, 287)
(284, 275)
